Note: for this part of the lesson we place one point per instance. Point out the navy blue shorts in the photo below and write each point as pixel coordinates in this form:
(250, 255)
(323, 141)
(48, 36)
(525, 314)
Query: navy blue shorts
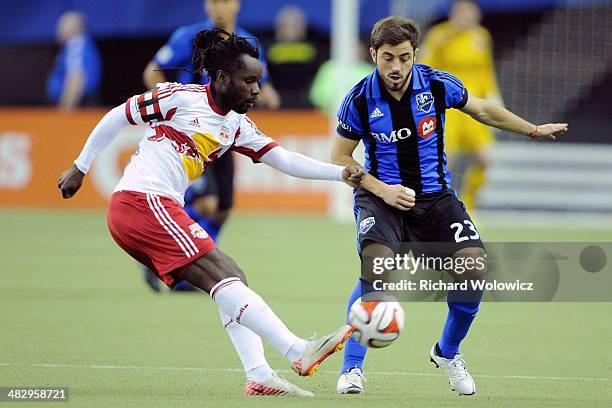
(438, 224)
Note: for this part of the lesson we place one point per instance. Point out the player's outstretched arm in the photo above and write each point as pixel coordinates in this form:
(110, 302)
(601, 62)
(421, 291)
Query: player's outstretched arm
(490, 114)
(298, 165)
(396, 195)
(105, 131)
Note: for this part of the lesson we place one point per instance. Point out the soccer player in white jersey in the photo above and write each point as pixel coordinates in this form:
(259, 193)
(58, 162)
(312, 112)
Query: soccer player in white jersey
(190, 126)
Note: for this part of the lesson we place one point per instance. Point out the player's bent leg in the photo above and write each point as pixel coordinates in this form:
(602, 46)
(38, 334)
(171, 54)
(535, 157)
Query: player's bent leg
(369, 253)
(475, 265)
(261, 379)
(217, 274)
(212, 268)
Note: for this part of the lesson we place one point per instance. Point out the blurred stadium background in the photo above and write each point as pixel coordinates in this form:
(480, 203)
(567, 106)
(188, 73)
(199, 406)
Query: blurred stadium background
(66, 291)
(553, 60)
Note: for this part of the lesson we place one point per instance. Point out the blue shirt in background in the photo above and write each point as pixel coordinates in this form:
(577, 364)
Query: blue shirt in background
(79, 54)
(178, 51)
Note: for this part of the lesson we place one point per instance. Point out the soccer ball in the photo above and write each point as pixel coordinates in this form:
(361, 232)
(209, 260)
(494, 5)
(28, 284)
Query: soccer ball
(377, 320)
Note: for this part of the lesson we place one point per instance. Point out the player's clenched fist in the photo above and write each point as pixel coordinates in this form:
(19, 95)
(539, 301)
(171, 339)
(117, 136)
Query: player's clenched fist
(353, 175)
(70, 181)
(398, 196)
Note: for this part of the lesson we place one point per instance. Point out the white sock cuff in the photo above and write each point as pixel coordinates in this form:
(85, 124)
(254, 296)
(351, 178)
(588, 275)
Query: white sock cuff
(221, 284)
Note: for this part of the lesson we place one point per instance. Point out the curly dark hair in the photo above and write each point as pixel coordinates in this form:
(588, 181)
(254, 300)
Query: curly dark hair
(217, 49)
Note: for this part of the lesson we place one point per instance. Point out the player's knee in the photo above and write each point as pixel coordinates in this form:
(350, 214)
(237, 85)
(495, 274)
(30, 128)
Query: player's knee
(373, 256)
(207, 206)
(225, 265)
(484, 159)
(471, 264)
(212, 268)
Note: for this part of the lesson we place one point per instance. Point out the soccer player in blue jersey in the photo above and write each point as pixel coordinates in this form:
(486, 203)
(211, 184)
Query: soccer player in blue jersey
(398, 113)
(210, 199)
(77, 73)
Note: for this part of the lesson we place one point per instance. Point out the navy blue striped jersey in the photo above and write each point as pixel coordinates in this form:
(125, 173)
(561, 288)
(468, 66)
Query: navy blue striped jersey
(404, 140)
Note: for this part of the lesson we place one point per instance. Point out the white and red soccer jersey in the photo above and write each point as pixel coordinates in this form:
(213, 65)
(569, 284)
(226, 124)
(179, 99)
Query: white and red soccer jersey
(187, 132)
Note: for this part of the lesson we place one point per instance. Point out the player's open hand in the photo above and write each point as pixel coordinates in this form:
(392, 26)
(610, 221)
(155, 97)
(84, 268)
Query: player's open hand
(549, 131)
(353, 175)
(398, 196)
(70, 181)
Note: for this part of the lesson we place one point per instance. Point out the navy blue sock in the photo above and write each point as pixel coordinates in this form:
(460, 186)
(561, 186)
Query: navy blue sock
(354, 353)
(462, 309)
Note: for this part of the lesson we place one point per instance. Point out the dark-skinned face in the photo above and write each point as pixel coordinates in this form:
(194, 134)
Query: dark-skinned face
(240, 89)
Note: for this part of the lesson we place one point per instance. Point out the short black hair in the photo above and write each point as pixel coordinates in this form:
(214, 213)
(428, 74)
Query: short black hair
(217, 49)
(394, 31)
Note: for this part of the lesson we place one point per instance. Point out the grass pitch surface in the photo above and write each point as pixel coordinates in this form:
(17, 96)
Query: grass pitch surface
(74, 312)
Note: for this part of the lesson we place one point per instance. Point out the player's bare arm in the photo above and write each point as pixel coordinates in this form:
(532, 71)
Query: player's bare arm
(396, 195)
(490, 114)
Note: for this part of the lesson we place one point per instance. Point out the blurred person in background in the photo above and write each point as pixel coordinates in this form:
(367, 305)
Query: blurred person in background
(464, 48)
(178, 50)
(322, 91)
(75, 78)
(210, 199)
(292, 56)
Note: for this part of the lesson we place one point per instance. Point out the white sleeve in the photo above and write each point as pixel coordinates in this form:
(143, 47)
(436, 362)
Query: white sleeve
(298, 165)
(104, 133)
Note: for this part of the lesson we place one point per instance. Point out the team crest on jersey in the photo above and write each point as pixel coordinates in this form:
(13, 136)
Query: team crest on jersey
(425, 101)
(224, 134)
(197, 231)
(427, 126)
(366, 224)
